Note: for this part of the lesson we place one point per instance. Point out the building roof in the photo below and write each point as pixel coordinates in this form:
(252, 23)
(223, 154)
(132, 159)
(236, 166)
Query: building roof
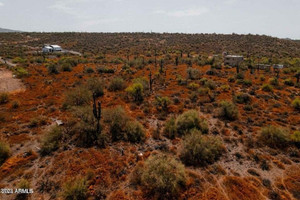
(55, 46)
(234, 56)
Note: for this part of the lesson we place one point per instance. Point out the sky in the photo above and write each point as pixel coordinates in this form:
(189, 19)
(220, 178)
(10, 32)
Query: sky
(279, 18)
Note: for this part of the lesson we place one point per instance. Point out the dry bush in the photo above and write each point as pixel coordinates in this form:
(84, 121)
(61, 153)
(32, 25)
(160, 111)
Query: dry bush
(136, 91)
(122, 127)
(163, 176)
(75, 189)
(190, 120)
(170, 128)
(51, 141)
(3, 97)
(275, 137)
(116, 84)
(228, 110)
(96, 86)
(296, 104)
(4, 152)
(199, 150)
(78, 96)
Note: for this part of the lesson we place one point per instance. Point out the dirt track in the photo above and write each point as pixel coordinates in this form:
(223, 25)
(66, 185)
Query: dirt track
(8, 83)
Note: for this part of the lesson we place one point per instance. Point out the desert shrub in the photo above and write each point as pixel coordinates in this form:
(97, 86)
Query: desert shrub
(21, 72)
(210, 84)
(274, 137)
(267, 88)
(240, 76)
(103, 69)
(203, 91)
(296, 104)
(3, 97)
(89, 70)
(78, 96)
(96, 86)
(23, 184)
(193, 74)
(170, 128)
(295, 137)
(163, 175)
(262, 78)
(66, 67)
(243, 98)
(190, 120)
(116, 84)
(4, 152)
(122, 127)
(247, 82)
(225, 88)
(193, 86)
(201, 150)
(134, 131)
(86, 126)
(15, 104)
(288, 82)
(136, 90)
(162, 103)
(143, 81)
(274, 81)
(52, 68)
(228, 110)
(51, 140)
(75, 189)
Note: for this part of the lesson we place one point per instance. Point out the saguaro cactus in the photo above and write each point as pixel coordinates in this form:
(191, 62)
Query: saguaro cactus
(97, 112)
(150, 81)
(176, 61)
(161, 66)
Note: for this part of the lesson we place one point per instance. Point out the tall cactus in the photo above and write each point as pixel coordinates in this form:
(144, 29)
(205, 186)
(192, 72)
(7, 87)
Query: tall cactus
(97, 112)
(161, 70)
(150, 81)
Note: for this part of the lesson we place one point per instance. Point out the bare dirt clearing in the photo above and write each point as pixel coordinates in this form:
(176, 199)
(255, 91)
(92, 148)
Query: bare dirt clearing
(8, 83)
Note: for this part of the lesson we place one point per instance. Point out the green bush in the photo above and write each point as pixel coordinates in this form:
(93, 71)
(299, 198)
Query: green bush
(51, 141)
(78, 96)
(228, 110)
(163, 175)
(136, 90)
(4, 152)
(162, 103)
(96, 86)
(243, 98)
(134, 131)
(122, 127)
(190, 120)
(75, 189)
(3, 97)
(210, 84)
(199, 150)
(267, 88)
(274, 137)
(193, 74)
(20, 72)
(296, 104)
(116, 84)
(52, 68)
(170, 128)
(85, 129)
(289, 82)
(274, 81)
(296, 137)
(193, 86)
(23, 184)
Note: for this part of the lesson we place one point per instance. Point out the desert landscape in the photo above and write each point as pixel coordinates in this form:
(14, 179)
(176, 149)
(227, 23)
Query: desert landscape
(149, 116)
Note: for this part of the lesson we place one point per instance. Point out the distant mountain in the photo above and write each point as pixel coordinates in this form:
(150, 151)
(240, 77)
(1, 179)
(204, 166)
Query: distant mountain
(3, 30)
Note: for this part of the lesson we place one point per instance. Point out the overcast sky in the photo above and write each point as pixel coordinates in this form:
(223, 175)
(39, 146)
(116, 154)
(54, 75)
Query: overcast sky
(280, 18)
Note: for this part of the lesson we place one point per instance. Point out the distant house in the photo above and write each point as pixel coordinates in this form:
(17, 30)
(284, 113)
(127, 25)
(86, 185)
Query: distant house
(51, 48)
(263, 67)
(278, 66)
(233, 60)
